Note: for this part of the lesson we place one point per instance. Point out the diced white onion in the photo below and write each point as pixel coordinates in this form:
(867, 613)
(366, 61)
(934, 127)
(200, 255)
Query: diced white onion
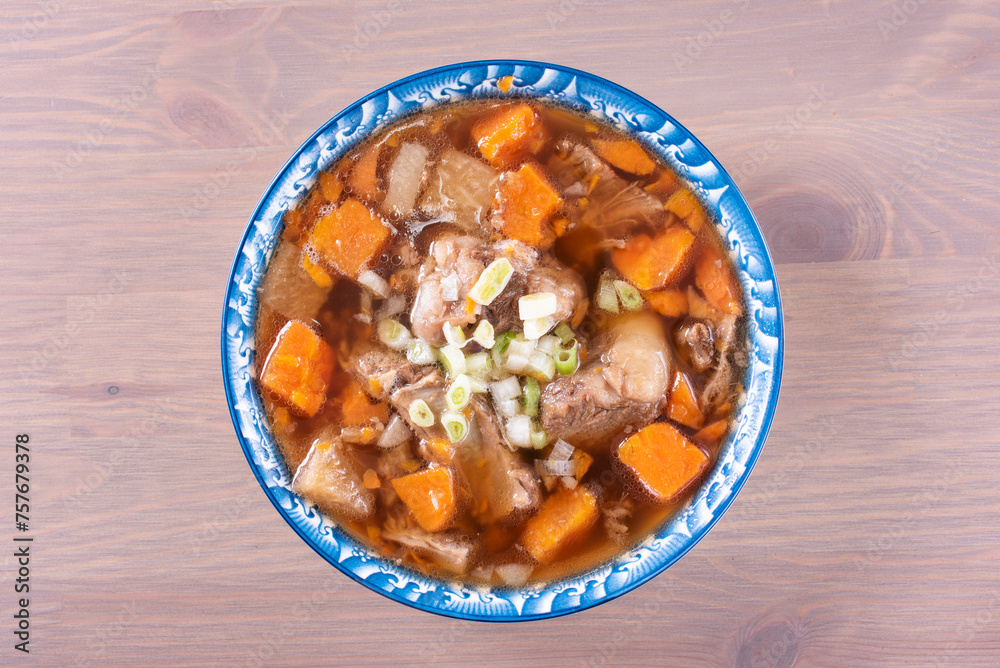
(420, 352)
(507, 407)
(521, 347)
(549, 467)
(561, 451)
(374, 282)
(537, 327)
(396, 433)
(476, 384)
(516, 363)
(519, 431)
(449, 288)
(548, 345)
(537, 305)
(484, 334)
(569, 481)
(394, 304)
(503, 390)
(541, 364)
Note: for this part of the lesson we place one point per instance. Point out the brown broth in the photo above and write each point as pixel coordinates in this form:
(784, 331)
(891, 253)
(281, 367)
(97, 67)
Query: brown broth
(583, 248)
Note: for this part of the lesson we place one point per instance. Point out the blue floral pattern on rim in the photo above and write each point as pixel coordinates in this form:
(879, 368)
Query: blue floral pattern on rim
(662, 135)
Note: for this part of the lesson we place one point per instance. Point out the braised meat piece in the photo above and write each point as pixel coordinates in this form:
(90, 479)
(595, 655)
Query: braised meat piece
(622, 384)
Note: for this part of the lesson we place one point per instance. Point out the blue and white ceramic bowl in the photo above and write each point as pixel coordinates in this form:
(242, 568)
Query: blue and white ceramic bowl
(659, 133)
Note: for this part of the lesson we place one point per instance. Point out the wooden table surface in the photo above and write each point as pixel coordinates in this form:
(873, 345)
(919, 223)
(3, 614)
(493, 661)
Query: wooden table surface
(137, 139)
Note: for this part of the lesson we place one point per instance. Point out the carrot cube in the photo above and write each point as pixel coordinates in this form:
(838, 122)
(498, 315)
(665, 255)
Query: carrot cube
(625, 154)
(686, 206)
(564, 517)
(654, 263)
(363, 180)
(715, 279)
(348, 237)
(661, 461)
(298, 368)
(331, 185)
(683, 405)
(712, 433)
(526, 203)
(430, 496)
(358, 410)
(509, 134)
(669, 303)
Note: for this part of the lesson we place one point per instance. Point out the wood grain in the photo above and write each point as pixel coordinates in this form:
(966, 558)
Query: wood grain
(136, 140)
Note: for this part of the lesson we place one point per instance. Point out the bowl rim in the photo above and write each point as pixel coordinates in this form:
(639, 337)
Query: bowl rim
(759, 435)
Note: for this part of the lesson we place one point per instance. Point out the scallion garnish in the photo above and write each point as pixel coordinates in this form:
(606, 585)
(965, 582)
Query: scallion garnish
(455, 424)
(492, 281)
(421, 413)
(459, 392)
(630, 297)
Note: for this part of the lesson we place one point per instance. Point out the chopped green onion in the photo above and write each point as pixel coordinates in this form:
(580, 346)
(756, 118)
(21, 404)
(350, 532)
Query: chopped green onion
(566, 359)
(484, 335)
(500, 347)
(492, 281)
(547, 344)
(453, 360)
(478, 386)
(478, 364)
(630, 297)
(537, 327)
(607, 298)
(537, 305)
(420, 352)
(564, 332)
(454, 335)
(455, 424)
(541, 366)
(393, 334)
(459, 392)
(539, 439)
(530, 396)
(421, 413)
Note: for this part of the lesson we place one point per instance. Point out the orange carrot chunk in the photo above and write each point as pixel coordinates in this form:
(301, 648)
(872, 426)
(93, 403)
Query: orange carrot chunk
(526, 203)
(331, 185)
(509, 134)
(348, 237)
(661, 461)
(564, 517)
(363, 180)
(712, 433)
(625, 154)
(430, 497)
(669, 303)
(683, 405)
(358, 410)
(686, 206)
(716, 281)
(653, 264)
(298, 368)
(665, 184)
